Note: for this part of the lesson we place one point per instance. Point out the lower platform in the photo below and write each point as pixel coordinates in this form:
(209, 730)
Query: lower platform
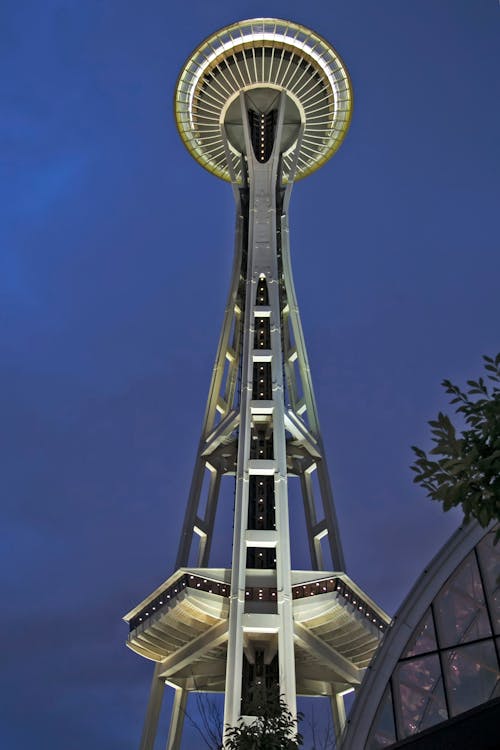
(183, 625)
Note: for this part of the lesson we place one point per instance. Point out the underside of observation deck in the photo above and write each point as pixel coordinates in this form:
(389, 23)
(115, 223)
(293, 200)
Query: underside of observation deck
(183, 625)
(278, 56)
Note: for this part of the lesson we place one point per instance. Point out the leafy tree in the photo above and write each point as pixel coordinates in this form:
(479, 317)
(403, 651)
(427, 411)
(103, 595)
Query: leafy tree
(466, 470)
(274, 728)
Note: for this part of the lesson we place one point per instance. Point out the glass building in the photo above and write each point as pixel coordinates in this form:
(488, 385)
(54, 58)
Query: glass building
(441, 656)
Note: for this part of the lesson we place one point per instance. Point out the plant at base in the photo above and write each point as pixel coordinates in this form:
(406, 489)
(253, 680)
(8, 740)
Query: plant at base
(274, 728)
(466, 470)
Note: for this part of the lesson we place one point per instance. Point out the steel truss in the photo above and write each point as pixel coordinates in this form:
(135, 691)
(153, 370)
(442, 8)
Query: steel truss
(258, 626)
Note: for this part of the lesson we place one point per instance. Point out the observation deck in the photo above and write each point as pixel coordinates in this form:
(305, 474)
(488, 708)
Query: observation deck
(184, 625)
(263, 57)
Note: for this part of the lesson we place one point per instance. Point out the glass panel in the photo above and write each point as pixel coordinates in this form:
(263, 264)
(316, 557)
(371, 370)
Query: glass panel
(420, 702)
(382, 732)
(489, 562)
(459, 608)
(423, 638)
(471, 675)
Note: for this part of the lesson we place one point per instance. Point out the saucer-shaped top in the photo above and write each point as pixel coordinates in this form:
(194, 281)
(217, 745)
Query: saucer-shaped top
(260, 56)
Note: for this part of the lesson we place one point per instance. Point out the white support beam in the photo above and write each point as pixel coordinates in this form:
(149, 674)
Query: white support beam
(338, 714)
(153, 711)
(194, 650)
(301, 433)
(221, 432)
(318, 672)
(215, 668)
(345, 669)
(177, 719)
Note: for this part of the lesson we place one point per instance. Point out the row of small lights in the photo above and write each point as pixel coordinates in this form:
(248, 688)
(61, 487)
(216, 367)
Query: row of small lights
(261, 380)
(319, 588)
(261, 369)
(260, 594)
(261, 501)
(181, 584)
(346, 593)
(262, 126)
(260, 331)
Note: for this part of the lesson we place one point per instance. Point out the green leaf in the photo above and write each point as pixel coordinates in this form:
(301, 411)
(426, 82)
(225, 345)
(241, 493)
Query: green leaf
(466, 471)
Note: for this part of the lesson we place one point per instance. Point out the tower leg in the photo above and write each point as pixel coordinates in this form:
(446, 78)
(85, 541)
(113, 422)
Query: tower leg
(338, 715)
(153, 711)
(177, 719)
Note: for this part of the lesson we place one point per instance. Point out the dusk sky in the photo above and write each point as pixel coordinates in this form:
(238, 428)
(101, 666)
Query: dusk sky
(116, 250)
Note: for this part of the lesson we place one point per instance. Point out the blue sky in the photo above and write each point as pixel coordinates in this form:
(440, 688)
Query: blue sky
(115, 260)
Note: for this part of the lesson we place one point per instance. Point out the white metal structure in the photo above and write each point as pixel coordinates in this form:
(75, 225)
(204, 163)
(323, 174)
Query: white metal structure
(261, 103)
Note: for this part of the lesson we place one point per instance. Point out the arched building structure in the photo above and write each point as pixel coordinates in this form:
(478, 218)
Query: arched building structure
(441, 655)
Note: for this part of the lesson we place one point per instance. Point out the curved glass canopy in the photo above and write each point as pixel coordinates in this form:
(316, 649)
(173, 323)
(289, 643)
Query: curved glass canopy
(442, 655)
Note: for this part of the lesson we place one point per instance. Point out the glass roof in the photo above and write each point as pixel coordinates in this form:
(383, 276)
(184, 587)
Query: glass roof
(451, 661)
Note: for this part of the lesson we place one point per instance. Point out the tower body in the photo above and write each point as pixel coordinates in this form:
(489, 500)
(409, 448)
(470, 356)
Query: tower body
(261, 104)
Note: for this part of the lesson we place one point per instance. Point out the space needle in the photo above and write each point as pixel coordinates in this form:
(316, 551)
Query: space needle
(261, 103)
